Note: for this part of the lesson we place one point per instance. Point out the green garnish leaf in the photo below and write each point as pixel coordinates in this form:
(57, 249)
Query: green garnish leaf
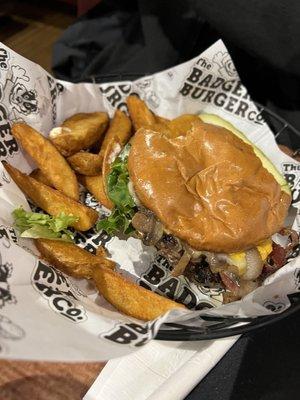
(117, 221)
(36, 225)
(117, 186)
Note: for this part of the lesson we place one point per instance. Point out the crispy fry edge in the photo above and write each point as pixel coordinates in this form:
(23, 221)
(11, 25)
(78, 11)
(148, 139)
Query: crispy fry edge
(49, 160)
(47, 198)
(130, 298)
(72, 140)
(140, 114)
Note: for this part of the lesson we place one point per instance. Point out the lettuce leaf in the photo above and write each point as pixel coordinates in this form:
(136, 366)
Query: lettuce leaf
(37, 225)
(117, 221)
(117, 186)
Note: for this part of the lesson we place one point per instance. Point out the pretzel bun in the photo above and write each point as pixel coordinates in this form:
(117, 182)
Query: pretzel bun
(208, 187)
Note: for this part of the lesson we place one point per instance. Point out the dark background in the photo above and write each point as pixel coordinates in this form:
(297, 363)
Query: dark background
(146, 36)
(263, 365)
(140, 37)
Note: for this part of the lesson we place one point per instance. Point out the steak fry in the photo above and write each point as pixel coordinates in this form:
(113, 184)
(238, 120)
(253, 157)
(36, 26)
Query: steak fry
(51, 200)
(48, 159)
(130, 298)
(79, 132)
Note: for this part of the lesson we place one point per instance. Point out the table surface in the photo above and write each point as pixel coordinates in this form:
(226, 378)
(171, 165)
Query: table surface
(20, 380)
(261, 365)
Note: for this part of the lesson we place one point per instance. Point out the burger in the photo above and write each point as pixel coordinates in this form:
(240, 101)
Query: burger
(207, 198)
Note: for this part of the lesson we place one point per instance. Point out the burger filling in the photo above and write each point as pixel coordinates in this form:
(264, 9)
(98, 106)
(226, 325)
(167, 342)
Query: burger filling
(237, 273)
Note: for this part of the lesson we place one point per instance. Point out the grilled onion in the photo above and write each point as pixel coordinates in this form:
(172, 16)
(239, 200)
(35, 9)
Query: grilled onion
(181, 265)
(254, 265)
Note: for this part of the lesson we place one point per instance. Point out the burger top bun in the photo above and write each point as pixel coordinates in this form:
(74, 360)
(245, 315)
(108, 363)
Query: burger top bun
(207, 187)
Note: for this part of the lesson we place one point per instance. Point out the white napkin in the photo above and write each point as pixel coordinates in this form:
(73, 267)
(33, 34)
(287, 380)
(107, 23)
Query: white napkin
(159, 371)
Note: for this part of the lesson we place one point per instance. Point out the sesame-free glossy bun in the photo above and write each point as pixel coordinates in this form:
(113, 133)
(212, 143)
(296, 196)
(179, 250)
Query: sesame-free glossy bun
(207, 187)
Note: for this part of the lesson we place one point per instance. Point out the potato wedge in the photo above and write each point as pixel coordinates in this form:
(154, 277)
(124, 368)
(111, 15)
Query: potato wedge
(102, 255)
(91, 164)
(72, 259)
(119, 128)
(142, 117)
(48, 159)
(139, 113)
(183, 123)
(79, 132)
(94, 184)
(86, 163)
(39, 176)
(51, 200)
(130, 298)
(161, 120)
(115, 139)
(112, 150)
(69, 258)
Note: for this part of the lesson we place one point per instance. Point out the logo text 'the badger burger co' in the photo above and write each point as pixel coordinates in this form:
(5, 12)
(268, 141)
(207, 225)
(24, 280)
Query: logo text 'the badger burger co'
(8, 145)
(291, 173)
(224, 92)
(158, 279)
(3, 59)
(132, 334)
(115, 94)
(17, 99)
(61, 295)
(55, 90)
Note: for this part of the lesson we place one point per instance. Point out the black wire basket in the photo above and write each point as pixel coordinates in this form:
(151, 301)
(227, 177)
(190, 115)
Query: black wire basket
(221, 327)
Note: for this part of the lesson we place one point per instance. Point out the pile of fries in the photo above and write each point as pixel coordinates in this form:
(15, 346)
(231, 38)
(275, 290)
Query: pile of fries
(81, 152)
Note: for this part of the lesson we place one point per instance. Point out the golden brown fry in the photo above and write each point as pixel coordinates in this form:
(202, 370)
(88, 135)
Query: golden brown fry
(48, 158)
(111, 152)
(102, 255)
(180, 125)
(94, 184)
(126, 296)
(162, 120)
(139, 113)
(130, 298)
(91, 164)
(142, 117)
(86, 163)
(119, 129)
(79, 132)
(116, 137)
(51, 200)
(39, 176)
(69, 258)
